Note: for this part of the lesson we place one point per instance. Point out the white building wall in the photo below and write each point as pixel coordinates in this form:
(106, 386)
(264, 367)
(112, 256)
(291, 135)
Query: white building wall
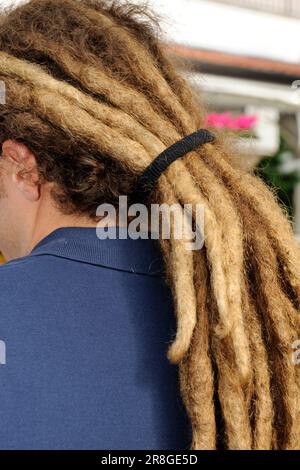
(213, 25)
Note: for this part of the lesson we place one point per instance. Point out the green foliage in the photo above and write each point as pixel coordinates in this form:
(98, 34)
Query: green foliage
(270, 170)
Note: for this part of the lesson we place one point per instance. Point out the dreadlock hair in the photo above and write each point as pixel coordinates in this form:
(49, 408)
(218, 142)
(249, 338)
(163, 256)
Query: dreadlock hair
(94, 95)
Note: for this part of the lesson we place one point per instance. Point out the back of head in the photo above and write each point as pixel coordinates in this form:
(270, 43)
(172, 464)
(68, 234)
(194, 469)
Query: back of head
(91, 92)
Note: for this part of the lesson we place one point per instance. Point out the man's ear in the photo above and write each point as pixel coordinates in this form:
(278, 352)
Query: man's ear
(24, 168)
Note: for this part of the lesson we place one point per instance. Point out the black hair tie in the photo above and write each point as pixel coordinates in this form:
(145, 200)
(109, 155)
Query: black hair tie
(150, 176)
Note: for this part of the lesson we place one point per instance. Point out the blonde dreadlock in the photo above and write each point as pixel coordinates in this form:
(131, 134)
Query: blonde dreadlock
(91, 92)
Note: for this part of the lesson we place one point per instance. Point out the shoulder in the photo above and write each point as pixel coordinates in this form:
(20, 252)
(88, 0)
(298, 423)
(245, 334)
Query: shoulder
(16, 267)
(16, 264)
(17, 281)
(14, 274)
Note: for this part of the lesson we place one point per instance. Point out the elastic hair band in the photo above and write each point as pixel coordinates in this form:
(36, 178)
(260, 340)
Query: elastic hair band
(150, 176)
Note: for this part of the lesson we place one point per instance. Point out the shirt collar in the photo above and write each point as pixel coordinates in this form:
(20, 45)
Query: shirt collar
(141, 256)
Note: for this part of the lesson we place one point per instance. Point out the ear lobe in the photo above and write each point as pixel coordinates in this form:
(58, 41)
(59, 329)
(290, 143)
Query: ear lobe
(29, 189)
(24, 172)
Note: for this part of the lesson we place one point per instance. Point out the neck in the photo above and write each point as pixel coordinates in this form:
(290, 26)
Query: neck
(44, 221)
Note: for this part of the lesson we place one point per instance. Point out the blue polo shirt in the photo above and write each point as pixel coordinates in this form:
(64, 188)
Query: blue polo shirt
(85, 325)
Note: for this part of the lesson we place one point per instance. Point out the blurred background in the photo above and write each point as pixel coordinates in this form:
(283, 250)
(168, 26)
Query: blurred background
(245, 57)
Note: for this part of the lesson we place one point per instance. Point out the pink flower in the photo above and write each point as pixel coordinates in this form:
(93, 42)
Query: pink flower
(227, 120)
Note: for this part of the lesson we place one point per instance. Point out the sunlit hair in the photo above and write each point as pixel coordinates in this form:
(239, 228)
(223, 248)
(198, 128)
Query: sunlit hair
(92, 92)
